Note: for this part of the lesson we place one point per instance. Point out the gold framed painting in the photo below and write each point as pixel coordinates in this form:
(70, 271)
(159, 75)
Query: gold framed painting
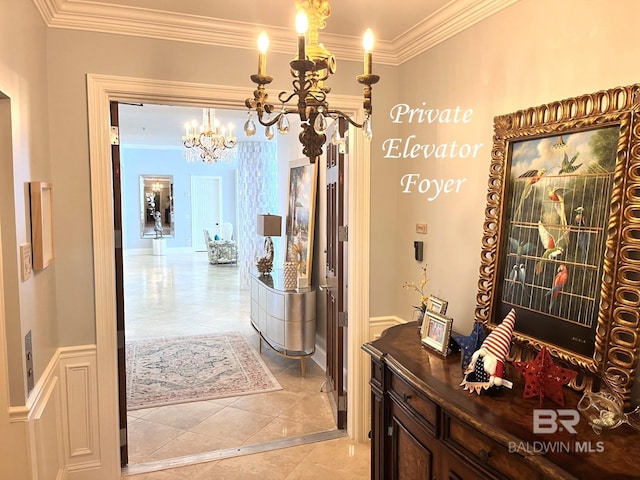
(561, 240)
(301, 215)
(41, 224)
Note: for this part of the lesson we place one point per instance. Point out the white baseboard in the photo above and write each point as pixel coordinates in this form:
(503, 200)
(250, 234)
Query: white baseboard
(130, 252)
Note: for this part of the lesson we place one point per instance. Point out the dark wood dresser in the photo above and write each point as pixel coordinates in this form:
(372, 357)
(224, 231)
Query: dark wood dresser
(425, 426)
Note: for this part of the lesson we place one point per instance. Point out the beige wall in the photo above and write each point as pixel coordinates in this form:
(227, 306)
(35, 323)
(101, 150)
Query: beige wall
(28, 305)
(533, 52)
(24, 155)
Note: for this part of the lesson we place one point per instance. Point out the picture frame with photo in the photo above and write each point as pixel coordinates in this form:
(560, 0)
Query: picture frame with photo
(437, 305)
(436, 332)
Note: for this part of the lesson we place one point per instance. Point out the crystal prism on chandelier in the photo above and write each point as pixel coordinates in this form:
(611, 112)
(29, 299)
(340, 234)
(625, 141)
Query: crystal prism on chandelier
(210, 142)
(312, 65)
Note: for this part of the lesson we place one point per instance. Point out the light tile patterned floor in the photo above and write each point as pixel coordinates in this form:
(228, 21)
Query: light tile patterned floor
(182, 294)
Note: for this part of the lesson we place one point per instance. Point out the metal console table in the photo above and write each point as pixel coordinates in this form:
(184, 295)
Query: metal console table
(284, 319)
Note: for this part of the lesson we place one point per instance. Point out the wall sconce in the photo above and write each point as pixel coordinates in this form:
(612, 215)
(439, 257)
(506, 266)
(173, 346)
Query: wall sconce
(268, 226)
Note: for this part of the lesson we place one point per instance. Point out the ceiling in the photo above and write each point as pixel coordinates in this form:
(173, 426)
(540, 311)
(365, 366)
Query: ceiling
(403, 29)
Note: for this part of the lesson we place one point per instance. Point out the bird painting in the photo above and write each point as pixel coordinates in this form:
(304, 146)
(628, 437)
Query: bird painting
(559, 282)
(531, 177)
(583, 238)
(552, 248)
(557, 196)
(568, 165)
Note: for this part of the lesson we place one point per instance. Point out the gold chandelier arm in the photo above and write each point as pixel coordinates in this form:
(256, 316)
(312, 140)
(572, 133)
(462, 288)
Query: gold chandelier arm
(275, 119)
(340, 114)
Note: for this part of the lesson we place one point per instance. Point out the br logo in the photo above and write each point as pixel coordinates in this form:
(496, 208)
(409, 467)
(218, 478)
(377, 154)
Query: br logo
(550, 421)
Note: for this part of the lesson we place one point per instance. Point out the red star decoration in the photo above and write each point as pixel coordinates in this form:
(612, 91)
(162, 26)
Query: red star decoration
(543, 378)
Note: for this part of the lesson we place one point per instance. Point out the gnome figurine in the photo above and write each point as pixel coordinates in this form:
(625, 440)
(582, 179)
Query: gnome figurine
(486, 368)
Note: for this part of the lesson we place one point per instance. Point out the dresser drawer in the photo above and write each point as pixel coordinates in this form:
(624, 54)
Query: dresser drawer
(421, 406)
(469, 442)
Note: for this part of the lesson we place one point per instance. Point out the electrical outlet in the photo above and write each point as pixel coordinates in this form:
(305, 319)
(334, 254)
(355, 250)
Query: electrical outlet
(28, 352)
(421, 228)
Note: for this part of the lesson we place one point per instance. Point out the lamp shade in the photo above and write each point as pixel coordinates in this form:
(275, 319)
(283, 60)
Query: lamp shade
(269, 225)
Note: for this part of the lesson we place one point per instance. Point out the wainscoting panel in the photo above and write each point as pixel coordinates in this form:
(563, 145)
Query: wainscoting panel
(47, 426)
(77, 366)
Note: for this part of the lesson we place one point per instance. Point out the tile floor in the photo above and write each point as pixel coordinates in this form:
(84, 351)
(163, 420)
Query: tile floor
(182, 294)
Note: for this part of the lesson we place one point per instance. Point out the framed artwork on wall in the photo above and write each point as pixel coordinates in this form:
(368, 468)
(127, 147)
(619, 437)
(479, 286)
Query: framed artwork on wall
(561, 239)
(41, 224)
(301, 215)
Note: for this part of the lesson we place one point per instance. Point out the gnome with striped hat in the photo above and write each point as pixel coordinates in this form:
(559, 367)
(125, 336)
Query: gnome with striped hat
(486, 368)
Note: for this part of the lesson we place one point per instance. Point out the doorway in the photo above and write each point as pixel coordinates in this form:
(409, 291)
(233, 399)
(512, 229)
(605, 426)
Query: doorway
(101, 90)
(206, 209)
(179, 295)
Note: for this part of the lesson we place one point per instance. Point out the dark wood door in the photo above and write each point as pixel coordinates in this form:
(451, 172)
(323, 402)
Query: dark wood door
(117, 231)
(336, 296)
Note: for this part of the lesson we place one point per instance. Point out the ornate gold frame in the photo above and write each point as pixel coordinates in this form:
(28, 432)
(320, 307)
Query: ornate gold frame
(617, 332)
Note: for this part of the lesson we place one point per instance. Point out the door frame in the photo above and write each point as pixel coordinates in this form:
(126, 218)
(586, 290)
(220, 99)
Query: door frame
(101, 90)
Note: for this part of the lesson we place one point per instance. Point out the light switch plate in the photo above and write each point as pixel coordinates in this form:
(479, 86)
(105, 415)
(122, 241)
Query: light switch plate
(421, 228)
(25, 261)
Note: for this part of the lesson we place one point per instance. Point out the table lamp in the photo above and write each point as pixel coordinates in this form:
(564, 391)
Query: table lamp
(268, 226)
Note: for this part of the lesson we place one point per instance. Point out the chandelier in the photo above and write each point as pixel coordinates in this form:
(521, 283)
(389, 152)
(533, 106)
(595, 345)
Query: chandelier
(310, 68)
(209, 142)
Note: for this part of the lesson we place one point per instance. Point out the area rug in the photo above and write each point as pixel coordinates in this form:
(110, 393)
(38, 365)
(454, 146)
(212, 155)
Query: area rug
(173, 370)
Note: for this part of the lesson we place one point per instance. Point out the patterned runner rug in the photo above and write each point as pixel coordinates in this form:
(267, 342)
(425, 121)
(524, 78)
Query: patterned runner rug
(167, 371)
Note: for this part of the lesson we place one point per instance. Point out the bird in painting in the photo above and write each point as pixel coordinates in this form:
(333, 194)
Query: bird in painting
(557, 196)
(517, 276)
(531, 177)
(583, 238)
(568, 165)
(559, 281)
(520, 248)
(552, 248)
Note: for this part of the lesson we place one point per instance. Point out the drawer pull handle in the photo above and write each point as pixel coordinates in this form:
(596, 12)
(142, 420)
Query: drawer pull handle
(484, 455)
(406, 397)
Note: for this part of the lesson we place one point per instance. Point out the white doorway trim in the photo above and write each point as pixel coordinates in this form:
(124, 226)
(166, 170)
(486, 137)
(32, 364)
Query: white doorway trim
(102, 89)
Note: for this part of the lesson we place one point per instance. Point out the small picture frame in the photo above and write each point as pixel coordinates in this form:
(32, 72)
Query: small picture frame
(437, 305)
(436, 332)
(41, 224)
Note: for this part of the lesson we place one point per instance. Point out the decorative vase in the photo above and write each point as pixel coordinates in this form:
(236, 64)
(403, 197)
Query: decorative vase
(419, 318)
(290, 276)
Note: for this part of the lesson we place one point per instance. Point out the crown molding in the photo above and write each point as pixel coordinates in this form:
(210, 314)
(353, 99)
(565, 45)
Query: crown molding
(450, 20)
(126, 20)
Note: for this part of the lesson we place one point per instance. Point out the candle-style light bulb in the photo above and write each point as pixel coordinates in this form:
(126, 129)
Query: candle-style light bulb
(367, 42)
(302, 23)
(263, 45)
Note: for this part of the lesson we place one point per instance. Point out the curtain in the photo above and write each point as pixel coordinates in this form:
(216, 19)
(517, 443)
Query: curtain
(257, 193)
